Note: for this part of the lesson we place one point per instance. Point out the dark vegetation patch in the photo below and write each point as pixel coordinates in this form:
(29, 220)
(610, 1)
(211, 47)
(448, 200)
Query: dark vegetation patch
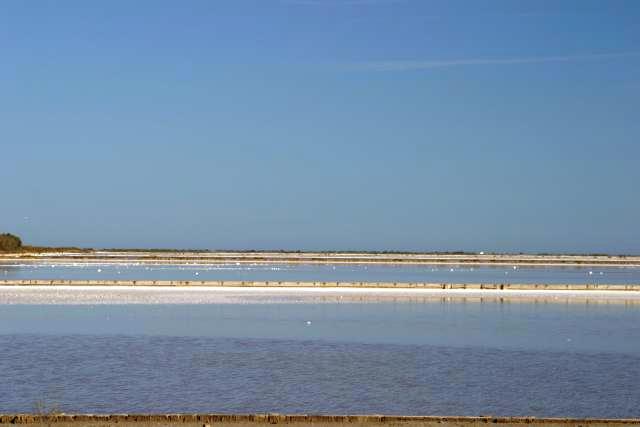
(10, 243)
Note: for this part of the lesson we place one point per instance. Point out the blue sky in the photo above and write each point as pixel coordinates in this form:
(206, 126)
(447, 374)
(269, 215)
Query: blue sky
(322, 124)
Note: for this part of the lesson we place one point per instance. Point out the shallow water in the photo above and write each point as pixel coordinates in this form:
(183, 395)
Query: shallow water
(327, 273)
(575, 360)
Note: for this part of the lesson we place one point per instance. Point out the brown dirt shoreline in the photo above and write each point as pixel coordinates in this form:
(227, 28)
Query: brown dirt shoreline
(257, 420)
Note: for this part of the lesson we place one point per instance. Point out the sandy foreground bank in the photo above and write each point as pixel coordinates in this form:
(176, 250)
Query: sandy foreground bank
(299, 420)
(127, 294)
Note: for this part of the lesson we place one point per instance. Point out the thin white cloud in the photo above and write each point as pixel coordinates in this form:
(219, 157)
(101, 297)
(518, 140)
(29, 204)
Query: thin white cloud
(431, 64)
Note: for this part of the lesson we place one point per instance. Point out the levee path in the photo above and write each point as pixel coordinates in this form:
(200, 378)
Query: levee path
(211, 292)
(204, 420)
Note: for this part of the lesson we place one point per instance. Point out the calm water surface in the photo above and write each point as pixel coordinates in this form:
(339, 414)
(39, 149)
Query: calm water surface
(327, 273)
(546, 359)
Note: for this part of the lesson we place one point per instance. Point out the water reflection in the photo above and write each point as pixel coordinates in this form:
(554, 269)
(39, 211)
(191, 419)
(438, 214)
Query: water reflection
(325, 272)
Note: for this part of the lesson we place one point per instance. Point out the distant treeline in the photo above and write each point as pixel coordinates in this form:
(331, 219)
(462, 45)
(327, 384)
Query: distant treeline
(10, 243)
(38, 249)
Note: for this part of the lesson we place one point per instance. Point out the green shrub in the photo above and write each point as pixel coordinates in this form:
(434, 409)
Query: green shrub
(9, 242)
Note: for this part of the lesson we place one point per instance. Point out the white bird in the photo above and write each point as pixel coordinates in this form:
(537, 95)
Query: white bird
(308, 322)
